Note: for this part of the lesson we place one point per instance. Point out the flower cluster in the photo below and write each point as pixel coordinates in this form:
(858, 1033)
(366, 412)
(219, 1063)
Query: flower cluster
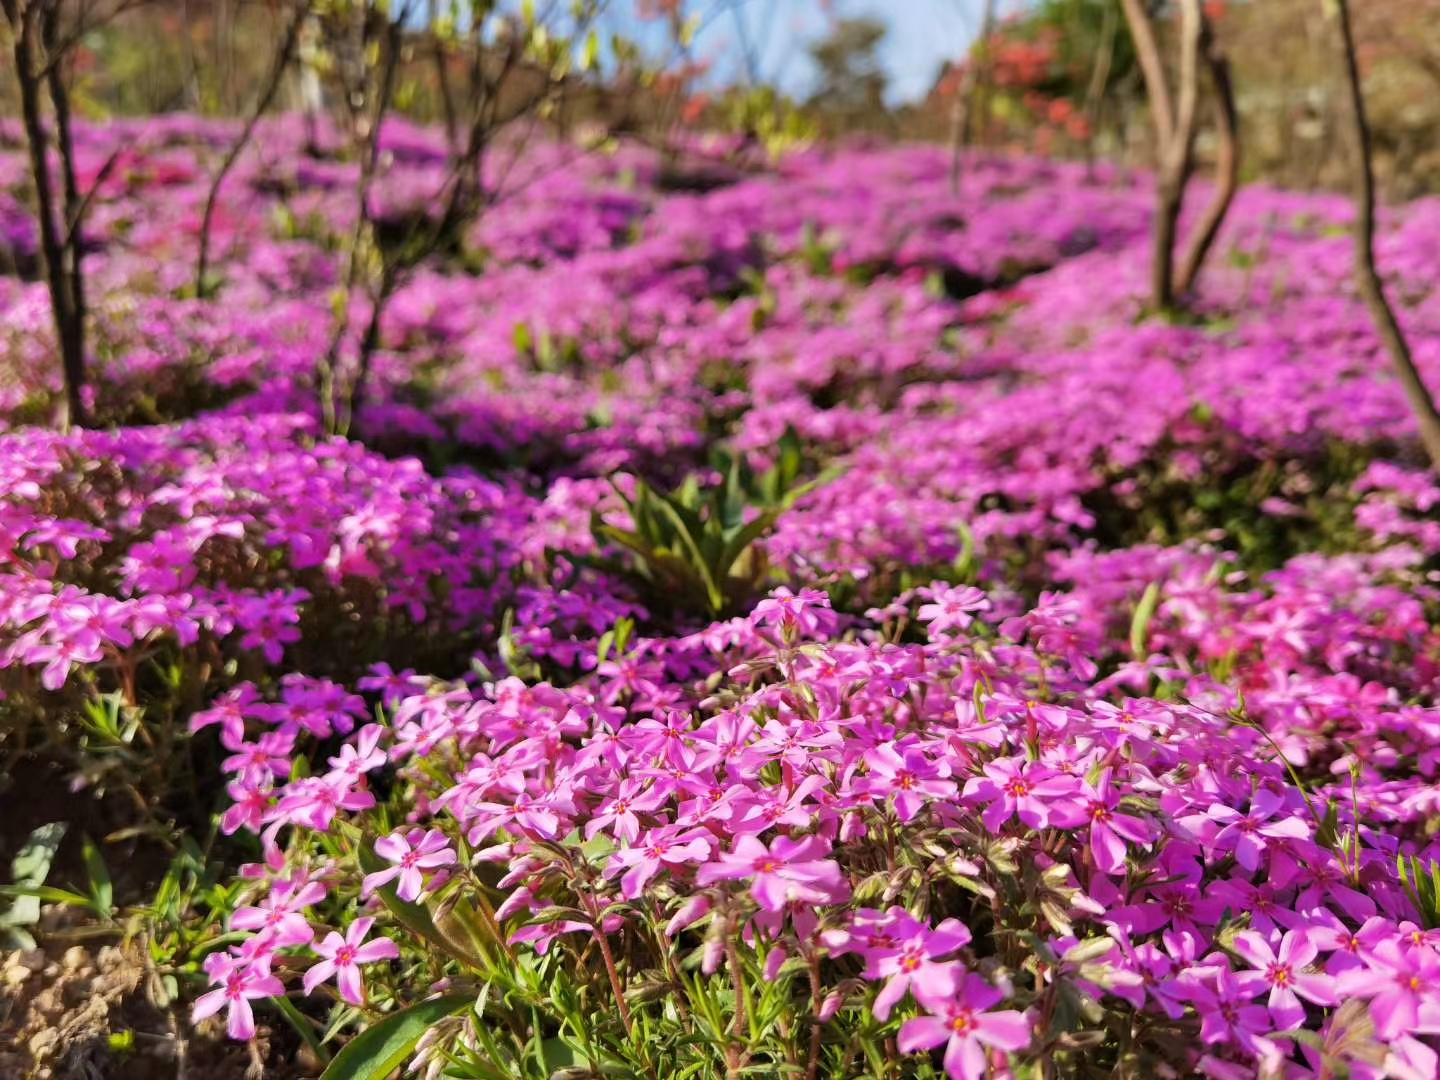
(1091, 719)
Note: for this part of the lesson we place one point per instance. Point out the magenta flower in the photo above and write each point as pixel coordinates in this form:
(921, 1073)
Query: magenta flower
(1284, 970)
(413, 853)
(241, 983)
(1110, 829)
(1403, 986)
(278, 921)
(951, 607)
(621, 814)
(342, 957)
(912, 779)
(793, 613)
(1013, 787)
(904, 951)
(1228, 1014)
(1247, 834)
(785, 872)
(656, 851)
(960, 1019)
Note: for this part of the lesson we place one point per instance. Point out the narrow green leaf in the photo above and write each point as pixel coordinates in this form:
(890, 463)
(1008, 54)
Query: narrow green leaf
(102, 892)
(445, 934)
(1140, 622)
(385, 1046)
(29, 869)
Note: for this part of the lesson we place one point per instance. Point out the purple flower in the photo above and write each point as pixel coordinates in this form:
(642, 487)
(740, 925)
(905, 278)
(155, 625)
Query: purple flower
(413, 853)
(1402, 984)
(959, 1018)
(905, 952)
(1110, 829)
(1225, 1004)
(788, 871)
(1248, 834)
(1285, 971)
(1024, 789)
(241, 982)
(342, 957)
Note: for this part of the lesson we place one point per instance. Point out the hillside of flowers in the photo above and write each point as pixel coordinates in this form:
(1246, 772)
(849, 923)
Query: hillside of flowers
(807, 623)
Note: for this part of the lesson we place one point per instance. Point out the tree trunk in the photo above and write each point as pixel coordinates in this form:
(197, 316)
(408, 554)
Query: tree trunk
(1174, 133)
(1367, 275)
(1099, 80)
(1227, 163)
(59, 241)
(963, 106)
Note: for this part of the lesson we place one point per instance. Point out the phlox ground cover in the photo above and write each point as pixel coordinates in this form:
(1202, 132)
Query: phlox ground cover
(813, 627)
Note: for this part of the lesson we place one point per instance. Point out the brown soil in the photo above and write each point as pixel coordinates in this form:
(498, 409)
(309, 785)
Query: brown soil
(89, 1012)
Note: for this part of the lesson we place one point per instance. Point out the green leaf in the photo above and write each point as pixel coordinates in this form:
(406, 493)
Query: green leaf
(1140, 621)
(702, 569)
(385, 1046)
(102, 892)
(447, 932)
(29, 869)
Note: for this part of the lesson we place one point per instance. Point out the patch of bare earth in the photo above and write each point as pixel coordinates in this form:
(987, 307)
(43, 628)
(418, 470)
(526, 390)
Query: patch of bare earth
(88, 1012)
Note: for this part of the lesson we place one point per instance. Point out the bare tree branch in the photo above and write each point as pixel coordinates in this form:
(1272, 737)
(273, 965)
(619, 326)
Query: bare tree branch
(970, 79)
(1147, 52)
(1367, 274)
(284, 54)
(1227, 163)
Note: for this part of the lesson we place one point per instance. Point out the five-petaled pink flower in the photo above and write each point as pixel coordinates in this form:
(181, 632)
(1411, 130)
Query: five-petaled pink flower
(240, 982)
(907, 953)
(1285, 970)
(788, 871)
(960, 1019)
(412, 853)
(342, 957)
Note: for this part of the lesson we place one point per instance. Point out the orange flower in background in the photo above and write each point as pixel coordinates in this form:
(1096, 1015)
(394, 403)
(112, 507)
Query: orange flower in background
(656, 9)
(1215, 10)
(694, 109)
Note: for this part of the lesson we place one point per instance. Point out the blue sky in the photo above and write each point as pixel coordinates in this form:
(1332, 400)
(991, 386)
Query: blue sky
(922, 34)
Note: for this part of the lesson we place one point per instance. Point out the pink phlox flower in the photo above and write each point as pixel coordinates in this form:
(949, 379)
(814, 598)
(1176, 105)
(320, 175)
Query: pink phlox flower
(412, 853)
(905, 952)
(911, 778)
(621, 813)
(1402, 984)
(1109, 828)
(794, 614)
(1248, 834)
(1225, 1002)
(772, 807)
(359, 757)
(240, 982)
(950, 607)
(1014, 787)
(656, 850)
(961, 1018)
(267, 756)
(315, 801)
(1286, 970)
(341, 958)
(788, 870)
(279, 920)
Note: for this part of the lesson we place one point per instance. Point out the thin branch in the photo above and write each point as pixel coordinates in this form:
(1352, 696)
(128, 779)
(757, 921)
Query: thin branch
(970, 79)
(1227, 163)
(1147, 52)
(1367, 274)
(276, 76)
